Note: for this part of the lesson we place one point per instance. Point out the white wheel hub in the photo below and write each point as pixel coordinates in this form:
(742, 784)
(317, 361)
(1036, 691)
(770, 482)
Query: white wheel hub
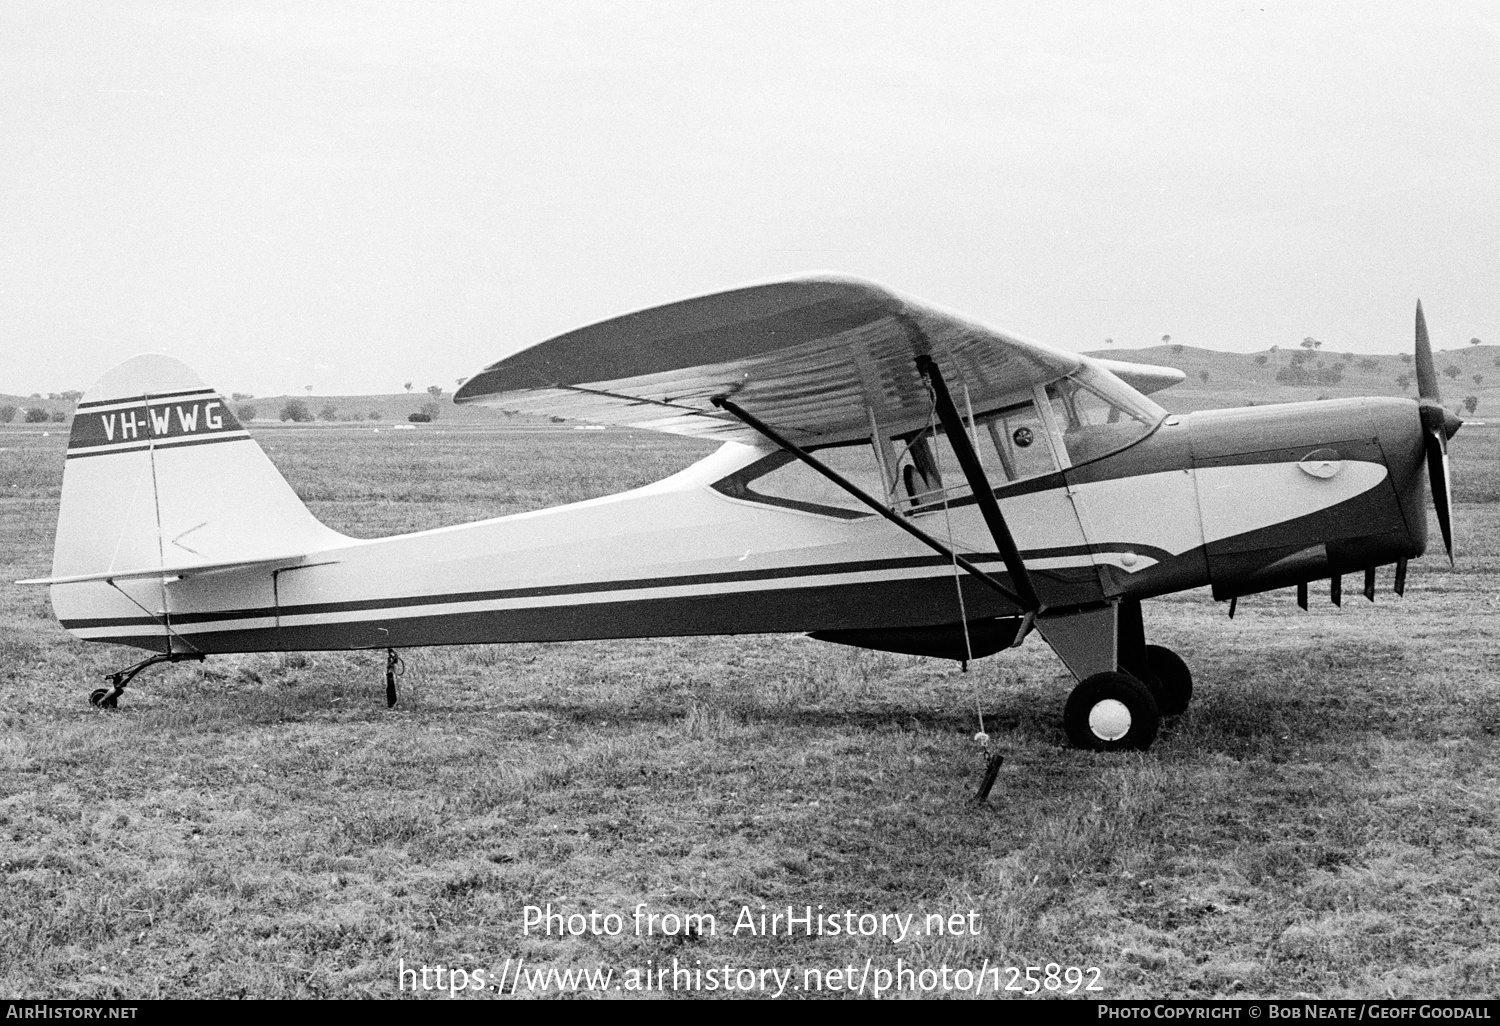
(1109, 720)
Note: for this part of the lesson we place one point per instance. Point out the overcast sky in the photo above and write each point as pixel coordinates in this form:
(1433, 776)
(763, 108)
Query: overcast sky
(352, 196)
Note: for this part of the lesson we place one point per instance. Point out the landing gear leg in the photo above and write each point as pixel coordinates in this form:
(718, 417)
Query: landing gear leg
(109, 698)
(1163, 672)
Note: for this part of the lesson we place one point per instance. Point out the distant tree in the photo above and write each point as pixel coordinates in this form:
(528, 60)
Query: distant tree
(1298, 359)
(1403, 381)
(241, 396)
(407, 386)
(1331, 375)
(419, 418)
(432, 410)
(1369, 364)
(1474, 342)
(309, 389)
(1203, 376)
(1311, 343)
(245, 412)
(1260, 361)
(36, 415)
(7, 414)
(1478, 379)
(72, 395)
(296, 411)
(1471, 403)
(1177, 349)
(36, 395)
(1348, 357)
(436, 391)
(59, 417)
(52, 395)
(558, 420)
(374, 414)
(1109, 341)
(1452, 370)
(328, 412)
(1166, 338)
(1275, 349)
(461, 381)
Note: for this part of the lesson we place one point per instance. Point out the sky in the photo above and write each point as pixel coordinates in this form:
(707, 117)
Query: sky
(352, 196)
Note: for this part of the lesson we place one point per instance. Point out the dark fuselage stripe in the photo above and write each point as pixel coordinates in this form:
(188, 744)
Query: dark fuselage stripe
(921, 602)
(605, 587)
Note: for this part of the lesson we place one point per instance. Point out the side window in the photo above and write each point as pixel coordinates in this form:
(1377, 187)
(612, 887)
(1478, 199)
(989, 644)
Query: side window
(1011, 444)
(780, 479)
(1019, 441)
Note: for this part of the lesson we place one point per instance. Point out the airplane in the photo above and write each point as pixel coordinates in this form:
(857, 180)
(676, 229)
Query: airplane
(891, 476)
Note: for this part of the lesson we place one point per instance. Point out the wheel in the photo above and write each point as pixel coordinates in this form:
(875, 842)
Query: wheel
(104, 698)
(1111, 712)
(1174, 678)
(98, 696)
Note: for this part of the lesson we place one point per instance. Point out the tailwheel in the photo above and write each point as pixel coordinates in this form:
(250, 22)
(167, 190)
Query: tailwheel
(104, 698)
(1111, 712)
(1173, 679)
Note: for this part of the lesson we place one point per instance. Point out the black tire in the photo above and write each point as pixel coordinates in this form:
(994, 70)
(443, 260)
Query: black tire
(98, 696)
(1111, 712)
(1174, 679)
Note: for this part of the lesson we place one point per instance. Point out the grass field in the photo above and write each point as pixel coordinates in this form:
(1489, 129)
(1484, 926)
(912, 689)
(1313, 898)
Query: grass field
(1324, 821)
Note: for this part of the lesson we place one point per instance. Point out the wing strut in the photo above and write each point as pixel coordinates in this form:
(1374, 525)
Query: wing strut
(728, 405)
(958, 437)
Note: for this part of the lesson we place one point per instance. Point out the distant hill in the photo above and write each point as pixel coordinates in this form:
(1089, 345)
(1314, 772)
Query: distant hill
(1214, 380)
(1239, 379)
(345, 408)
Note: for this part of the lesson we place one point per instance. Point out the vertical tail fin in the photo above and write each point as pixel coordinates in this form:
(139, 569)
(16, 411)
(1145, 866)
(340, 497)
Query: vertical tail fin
(160, 474)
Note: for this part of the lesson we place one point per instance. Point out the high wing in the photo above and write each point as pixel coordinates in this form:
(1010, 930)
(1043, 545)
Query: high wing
(820, 357)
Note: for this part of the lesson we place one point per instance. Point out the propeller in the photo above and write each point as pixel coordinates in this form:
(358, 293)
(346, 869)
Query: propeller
(1438, 425)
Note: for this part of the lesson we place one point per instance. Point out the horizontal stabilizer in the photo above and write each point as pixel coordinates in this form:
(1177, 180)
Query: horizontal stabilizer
(186, 570)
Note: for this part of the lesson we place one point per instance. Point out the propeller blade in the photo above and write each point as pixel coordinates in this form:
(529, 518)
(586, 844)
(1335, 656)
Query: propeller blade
(1438, 425)
(1427, 383)
(1438, 472)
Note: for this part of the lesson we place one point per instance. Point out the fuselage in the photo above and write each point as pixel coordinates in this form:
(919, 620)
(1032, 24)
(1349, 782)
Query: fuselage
(1239, 500)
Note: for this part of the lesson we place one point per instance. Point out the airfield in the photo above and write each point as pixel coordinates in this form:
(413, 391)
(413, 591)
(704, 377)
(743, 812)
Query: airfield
(1323, 821)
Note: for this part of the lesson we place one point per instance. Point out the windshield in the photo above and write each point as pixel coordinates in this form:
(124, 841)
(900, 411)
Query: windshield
(1096, 414)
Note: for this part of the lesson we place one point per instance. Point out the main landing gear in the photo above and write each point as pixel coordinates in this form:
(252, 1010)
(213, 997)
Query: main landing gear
(1121, 710)
(1125, 686)
(109, 698)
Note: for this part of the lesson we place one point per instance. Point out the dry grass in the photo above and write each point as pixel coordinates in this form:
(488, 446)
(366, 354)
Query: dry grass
(1323, 821)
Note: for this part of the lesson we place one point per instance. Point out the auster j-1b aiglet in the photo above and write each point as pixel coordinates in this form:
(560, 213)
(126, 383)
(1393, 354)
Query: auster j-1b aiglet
(892, 476)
